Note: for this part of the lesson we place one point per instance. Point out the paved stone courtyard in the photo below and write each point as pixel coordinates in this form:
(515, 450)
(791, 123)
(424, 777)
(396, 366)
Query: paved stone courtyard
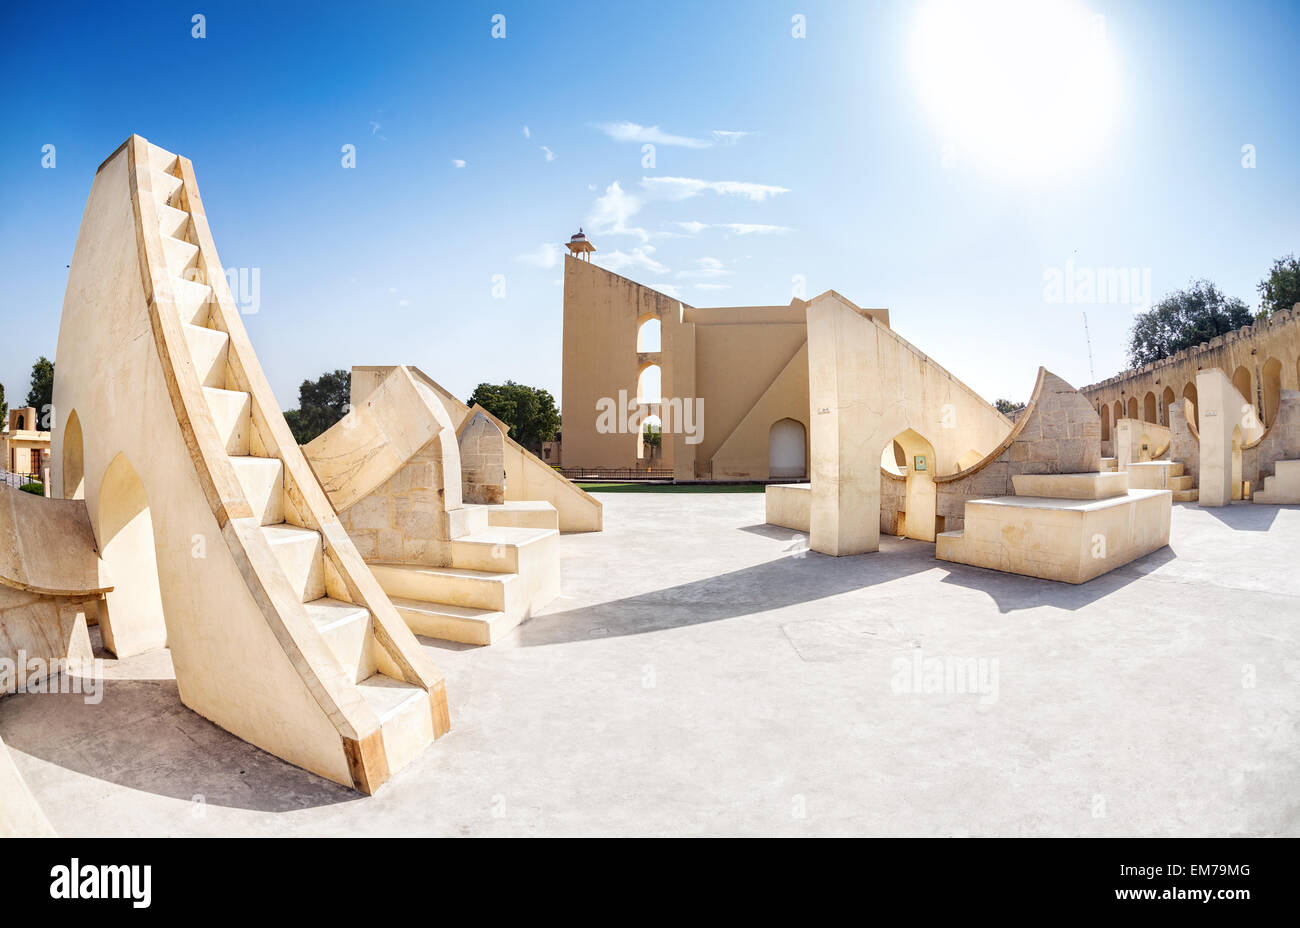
(704, 675)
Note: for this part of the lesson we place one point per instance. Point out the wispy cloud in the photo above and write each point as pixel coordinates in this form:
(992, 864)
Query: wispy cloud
(683, 188)
(610, 213)
(706, 268)
(547, 254)
(458, 162)
(527, 133)
(550, 155)
(738, 228)
(627, 131)
(374, 130)
(703, 286)
(753, 228)
(638, 257)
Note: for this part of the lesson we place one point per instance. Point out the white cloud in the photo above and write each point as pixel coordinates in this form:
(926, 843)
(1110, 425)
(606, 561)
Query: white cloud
(706, 267)
(546, 255)
(403, 302)
(668, 289)
(751, 228)
(632, 132)
(610, 213)
(527, 133)
(550, 155)
(458, 162)
(739, 228)
(683, 188)
(638, 257)
(713, 286)
(627, 131)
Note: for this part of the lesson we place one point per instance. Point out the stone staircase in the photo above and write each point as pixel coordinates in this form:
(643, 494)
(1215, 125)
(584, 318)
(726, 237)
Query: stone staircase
(498, 576)
(1163, 475)
(403, 709)
(1283, 486)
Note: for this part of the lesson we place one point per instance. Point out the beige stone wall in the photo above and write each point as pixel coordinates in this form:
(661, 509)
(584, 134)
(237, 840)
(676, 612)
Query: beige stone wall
(1059, 433)
(1280, 443)
(46, 627)
(402, 520)
(744, 361)
(1267, 353)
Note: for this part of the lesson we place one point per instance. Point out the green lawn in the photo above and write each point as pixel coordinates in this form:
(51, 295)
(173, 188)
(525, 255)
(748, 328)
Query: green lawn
(671, 487)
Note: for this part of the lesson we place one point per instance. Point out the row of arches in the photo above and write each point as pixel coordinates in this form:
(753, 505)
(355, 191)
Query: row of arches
(1264, 393)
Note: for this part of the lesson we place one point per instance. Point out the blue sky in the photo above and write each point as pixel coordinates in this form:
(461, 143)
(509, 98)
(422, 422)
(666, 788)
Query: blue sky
(843, 159)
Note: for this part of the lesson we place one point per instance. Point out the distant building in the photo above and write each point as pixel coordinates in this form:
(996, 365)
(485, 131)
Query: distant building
(26, 447)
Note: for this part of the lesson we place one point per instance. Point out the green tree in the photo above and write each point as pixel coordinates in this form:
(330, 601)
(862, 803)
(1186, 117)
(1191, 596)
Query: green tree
(529, 411)
(41, 395)
(1007, 407)
(4, 407)
(1281, 288)
(321, 403)
(1182, 319)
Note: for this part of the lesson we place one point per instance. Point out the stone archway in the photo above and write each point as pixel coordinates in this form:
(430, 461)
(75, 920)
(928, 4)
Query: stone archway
(131, 617)
(787, 449)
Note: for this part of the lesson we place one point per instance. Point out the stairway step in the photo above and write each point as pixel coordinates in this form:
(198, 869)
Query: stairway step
(299, 552)
(476, 589)
(1175, 469)
(208, 348)
(166, 188)
(232, 411)
(496, 549)
(1186, 496)
(192, 300)
(452, 623)
(347, 630)
(173, 222)
(519, 514)
(181, 257)
(405, 716)
(1182, 482)
(263, 483)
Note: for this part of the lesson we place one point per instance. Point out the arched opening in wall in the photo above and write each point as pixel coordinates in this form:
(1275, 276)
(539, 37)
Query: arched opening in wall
(482, 448)
(1191, 409)
(1270, 380)
(1241, 380)
(1119, 411)
(132, 617)
(22, 422)
(74, 467)
(913, 458)
(1132, 407)
(1104, 413)
(1236, 462)
(1167, 399)
(1149, 407)
(1145, 445)
(648, 387)
(787, 449)
(647, 335)
(649, 441)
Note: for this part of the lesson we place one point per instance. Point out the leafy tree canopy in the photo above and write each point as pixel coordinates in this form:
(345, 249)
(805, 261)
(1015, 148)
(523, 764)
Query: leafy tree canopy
(321, 403)
(1281, 288)
(41, 395)
(529, 411)
(1182, 319)
(1007, 407)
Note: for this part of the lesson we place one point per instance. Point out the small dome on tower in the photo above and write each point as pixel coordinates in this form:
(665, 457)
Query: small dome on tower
(580, 237)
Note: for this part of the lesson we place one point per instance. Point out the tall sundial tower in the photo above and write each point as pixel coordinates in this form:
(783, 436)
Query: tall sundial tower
(579, 247)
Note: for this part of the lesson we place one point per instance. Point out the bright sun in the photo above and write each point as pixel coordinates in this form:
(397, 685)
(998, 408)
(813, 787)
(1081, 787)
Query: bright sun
(1026, 85)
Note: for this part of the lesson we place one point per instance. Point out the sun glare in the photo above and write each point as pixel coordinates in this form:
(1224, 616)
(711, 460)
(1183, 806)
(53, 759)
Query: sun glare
(1025, 85)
